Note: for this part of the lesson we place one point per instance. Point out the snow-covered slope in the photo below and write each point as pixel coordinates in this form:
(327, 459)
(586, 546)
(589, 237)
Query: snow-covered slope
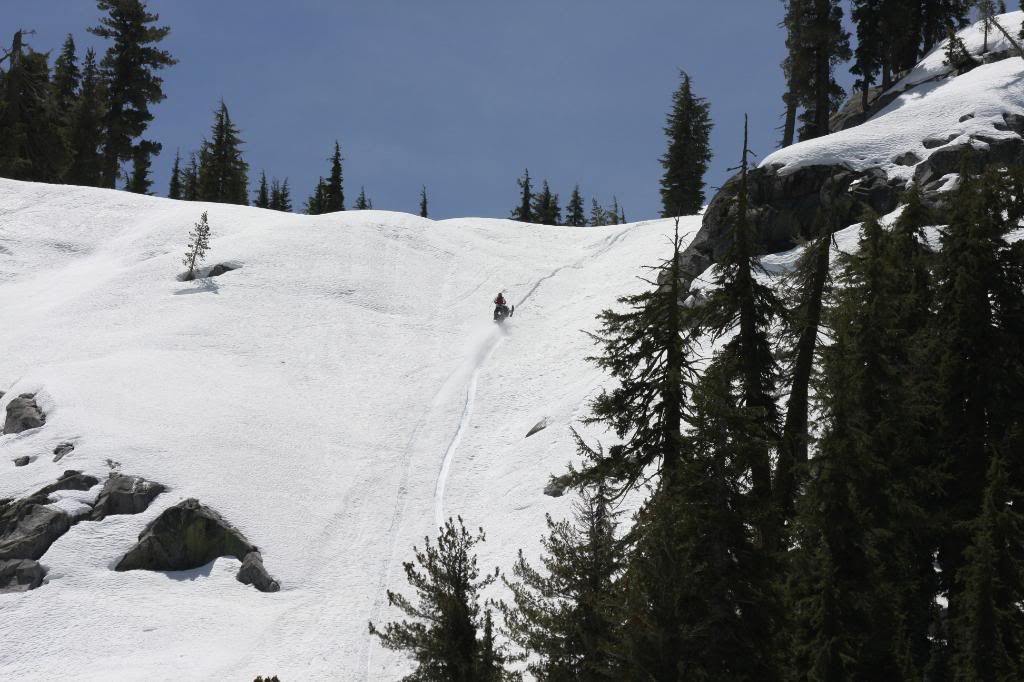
(934, 112)
(334, 397)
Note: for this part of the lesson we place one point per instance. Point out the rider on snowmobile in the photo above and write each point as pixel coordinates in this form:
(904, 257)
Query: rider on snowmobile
(499, 304)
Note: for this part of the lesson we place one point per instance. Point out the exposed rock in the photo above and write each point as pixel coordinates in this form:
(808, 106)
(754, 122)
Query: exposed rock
(991, 151)
(933, 142)
(966, 117)
(124, 495)
(69, 480)
(253, 573)
(22, 461)
(1014, 122)
(907, 159)
(27, 529)
(784, 208)
(556, 486)
(539, 426)
(20, 575)
(219, 269)
(187, 535)
(23, 414)
(62, 450)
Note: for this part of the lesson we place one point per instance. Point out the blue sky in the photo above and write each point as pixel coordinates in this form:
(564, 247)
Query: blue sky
(459, 95)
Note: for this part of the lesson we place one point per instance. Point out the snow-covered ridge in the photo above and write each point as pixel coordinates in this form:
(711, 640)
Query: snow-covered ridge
(331, 397)
(935, 111)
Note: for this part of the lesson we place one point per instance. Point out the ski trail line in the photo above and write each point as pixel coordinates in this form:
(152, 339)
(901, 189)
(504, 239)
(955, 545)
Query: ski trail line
(467, 410)
(449, 454)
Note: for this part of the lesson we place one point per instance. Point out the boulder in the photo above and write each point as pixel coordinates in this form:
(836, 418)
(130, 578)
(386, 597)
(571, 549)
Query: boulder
(22, 461)
(539, 426)
(187, 535)
(253, 573)
(62, 450)
(27, 529)
(69, 480)
(124, 495)
(20, 575)
(556, 486)
(23, 414)
(219, 269)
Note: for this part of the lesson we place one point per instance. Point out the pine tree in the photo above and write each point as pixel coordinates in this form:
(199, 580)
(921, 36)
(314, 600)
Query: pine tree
(130, 67)
(285, 198)
(742, 304)
(564, 615)
(66, 83)
(545, 208)
(223, 174)
(688, 154)
(442, 637)
(613, 212)
(957, 55)
(139, 181)
(86, 136)
(262, 199)
(598, 215)
(31, 141)
(574, 212)
(175, 189)
(935, 16)
(796, 67)
(870, 51)
(524, 212)
(198, 245)
(648, 350)
(423, 202)
(989, 624)
(824, 43)
(362, 203)
(986, 14)
(334, 194)
(190, 180)
(316, 201)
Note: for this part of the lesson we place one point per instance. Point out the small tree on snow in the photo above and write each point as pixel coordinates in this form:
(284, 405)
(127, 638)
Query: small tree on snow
(198, 245)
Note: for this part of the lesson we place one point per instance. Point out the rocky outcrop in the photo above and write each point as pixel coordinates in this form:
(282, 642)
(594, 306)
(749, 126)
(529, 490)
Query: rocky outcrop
(62, 451)
(784, 208)
(219, 269)
(124, 495)
(28, 527)
(23, 414)
(189, 535)
(22, 461)
(19, 575)
(253, 573)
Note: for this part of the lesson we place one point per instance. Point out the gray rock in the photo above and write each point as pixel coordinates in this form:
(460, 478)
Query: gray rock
(187, 535)
(20, 575)
(62, 450)
(253, 573)
(907, 159)
(219, 269)
(22, 461)
(69, 480)
(933, 142)
(556, 486)
(27, 530)
(124, 495)
(539, 426)
(23, 414)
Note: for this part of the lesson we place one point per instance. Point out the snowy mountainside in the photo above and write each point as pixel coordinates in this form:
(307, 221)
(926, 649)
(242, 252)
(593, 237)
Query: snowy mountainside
(333, 397)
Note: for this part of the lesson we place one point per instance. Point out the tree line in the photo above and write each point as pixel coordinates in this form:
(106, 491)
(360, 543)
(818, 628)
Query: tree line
(832, 493)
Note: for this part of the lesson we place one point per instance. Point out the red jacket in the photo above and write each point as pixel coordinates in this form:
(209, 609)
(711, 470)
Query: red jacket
(500, 300)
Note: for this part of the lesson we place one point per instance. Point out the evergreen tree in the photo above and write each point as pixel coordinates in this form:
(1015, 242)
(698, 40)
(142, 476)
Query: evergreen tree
(262, 193)
(423, 202)
(986, 14)
(871, 44)
(823, 43)
(175, 189)
(198, 245)
(689, 152)
(280, 196)
(66, 83)
(989, 625)
(957, 55)
(796, 67)
(935, 16)
(564, 615)
(362, 203)
(524, 212)
(545, 207)
(31, 142)
(86, 135)
(223, 174)
(316, 201)
(575, 215)
(139, 181)
(442, 637)
(334, 193)
(614, 212)
(742, 304)
(190, 180)
(130, 67)
(598, 215)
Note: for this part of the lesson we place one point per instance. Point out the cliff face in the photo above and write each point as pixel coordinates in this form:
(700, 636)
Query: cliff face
(917, 132)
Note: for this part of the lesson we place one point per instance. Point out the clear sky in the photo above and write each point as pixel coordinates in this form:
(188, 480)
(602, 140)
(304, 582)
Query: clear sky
(457, 95)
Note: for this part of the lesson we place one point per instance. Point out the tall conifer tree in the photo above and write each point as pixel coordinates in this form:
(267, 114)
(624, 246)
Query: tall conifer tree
(688, 154)
(86, 136)
(262, 193)
(575, 216)
(223, 173)
(524, 212)
(334, 193)
(423, 202)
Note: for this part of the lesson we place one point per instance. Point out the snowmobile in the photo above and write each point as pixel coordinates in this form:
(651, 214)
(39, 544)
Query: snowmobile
(503, 312)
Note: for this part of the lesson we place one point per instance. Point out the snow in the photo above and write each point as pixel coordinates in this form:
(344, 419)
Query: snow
(335, 397)
(953, 110)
